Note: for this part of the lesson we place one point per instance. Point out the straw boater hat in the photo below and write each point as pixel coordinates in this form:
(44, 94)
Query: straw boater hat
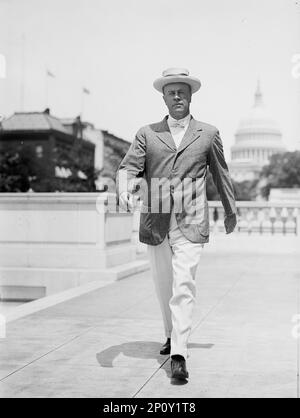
(177, 75)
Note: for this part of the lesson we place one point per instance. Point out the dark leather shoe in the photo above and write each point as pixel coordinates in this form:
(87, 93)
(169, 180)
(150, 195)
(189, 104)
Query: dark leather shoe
(166, 348)
(178, 368)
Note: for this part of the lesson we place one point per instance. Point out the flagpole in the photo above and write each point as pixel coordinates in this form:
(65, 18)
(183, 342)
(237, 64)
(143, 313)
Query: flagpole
(22, 90)
(82, 103)
(83, 92)
(47, 89)
(48, 75)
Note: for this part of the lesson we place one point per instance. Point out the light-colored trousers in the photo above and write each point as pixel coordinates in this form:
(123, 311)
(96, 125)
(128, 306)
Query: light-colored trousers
(173, 264)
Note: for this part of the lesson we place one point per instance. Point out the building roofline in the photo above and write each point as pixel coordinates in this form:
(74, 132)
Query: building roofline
(115, 136)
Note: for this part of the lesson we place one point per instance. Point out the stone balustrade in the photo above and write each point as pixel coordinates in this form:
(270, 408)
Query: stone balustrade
(259, 217)
(50, 242)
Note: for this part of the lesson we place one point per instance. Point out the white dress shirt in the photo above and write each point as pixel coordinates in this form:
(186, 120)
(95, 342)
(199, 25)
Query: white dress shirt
(178, 128)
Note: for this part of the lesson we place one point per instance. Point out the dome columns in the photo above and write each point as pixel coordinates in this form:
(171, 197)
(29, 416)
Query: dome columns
(256, 140)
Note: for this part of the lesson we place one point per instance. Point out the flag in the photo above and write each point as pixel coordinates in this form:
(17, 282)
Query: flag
(86, 91)
(2, 66)
(50, 74)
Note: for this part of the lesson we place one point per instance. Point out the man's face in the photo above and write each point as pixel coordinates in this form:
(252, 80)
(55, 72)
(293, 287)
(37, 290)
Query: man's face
(177, 97)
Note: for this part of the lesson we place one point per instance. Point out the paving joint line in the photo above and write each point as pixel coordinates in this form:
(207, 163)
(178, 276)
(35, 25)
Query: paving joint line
(44, 355)
(201, 320)
(216, 304)
(152, 375)
(62, 345)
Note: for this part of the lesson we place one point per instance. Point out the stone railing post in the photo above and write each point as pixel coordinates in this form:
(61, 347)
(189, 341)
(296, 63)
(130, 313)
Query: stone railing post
(262, 217)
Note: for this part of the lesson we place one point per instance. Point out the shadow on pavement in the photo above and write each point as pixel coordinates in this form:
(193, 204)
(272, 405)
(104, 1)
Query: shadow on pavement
(141, 350)
(136, 349)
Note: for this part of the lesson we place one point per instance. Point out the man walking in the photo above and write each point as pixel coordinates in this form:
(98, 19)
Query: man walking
(171, 158)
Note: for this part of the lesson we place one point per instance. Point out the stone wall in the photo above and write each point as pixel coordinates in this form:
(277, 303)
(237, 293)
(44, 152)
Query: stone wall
(50, 242)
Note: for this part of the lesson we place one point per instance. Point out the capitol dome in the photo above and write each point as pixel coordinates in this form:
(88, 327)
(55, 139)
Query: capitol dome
(256, 139)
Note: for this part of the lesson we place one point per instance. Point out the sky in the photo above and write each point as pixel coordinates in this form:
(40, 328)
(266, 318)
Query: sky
(117, 48)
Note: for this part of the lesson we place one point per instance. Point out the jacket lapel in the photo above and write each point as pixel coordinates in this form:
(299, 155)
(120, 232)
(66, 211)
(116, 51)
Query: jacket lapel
(192, 133)
(164, 134)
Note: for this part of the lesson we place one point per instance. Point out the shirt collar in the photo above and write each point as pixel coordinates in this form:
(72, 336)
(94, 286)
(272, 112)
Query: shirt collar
(185, 120)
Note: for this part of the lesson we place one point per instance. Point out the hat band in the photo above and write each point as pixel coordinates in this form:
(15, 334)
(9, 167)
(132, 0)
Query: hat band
(175, 75)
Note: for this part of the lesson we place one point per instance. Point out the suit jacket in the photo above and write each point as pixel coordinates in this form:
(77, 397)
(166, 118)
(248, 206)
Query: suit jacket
(175, 178)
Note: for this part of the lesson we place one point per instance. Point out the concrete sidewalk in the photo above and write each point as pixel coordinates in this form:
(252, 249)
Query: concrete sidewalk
(105, 343)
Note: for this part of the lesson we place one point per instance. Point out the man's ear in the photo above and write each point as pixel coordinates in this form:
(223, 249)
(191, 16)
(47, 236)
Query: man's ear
(164, 97)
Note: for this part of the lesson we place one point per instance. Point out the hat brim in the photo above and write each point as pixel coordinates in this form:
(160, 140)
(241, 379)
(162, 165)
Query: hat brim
(193, 82)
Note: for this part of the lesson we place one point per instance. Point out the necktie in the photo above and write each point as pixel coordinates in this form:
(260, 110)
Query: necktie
(177, 124)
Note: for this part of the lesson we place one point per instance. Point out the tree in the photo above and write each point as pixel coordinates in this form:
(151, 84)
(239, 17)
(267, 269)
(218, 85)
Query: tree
(245, 190)
(18, 167)
(21, 170)
(82, 174)
(282, 171)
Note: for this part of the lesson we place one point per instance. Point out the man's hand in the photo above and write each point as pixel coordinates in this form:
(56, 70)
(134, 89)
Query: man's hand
(128, 201)
(230, 223)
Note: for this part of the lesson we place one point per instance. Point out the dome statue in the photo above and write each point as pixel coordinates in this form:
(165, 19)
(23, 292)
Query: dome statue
(256, 139)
